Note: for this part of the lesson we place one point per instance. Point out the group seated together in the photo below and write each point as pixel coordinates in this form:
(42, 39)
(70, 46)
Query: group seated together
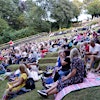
(77, 56)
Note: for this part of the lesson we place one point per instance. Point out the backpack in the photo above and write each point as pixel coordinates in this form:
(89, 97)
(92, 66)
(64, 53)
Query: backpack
(30, 84)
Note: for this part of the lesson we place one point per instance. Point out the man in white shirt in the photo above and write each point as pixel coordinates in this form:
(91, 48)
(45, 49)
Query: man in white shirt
(93, 54)
(24, 54)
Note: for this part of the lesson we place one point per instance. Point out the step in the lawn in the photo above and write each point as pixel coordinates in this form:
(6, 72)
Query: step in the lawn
(43, 66)
(13, 67)
(52, 54)
(48, 60)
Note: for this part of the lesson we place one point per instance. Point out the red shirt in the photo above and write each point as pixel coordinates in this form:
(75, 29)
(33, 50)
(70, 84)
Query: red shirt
(11, 43)
(87, 48)
(44, 51)
(1, 58)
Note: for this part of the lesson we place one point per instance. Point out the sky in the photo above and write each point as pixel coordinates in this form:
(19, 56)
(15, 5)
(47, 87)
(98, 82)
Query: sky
(83, 15)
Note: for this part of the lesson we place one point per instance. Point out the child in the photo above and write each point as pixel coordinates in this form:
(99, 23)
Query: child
(16, 85)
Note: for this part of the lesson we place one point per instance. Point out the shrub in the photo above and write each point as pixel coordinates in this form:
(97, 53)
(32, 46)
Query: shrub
(8, 35)
(3, 25)
(1, 40)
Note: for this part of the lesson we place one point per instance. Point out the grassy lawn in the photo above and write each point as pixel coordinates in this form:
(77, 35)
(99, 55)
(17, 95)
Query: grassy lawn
(13, 67)
(85, 94)
(28, 96)
(2, 87)
(33, 95)
(50, 59)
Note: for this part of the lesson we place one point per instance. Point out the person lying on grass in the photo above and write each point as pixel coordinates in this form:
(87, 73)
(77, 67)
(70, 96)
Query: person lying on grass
(16, 85)
(75, 76)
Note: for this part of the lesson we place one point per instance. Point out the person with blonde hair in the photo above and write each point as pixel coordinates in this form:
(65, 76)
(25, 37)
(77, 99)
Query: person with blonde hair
(74, 53)
(17, 84)
(75, 76)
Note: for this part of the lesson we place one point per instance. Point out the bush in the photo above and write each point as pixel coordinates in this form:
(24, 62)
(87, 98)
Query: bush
(3, 26)
(1, 40)
(8, 35)
(21, 34)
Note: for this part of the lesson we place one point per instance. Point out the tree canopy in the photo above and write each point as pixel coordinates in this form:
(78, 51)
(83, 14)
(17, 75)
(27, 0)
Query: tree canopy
(23, 18)
(94, 8)
(62, 11)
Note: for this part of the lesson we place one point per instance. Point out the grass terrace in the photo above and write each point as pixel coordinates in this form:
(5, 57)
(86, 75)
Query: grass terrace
(50, 59)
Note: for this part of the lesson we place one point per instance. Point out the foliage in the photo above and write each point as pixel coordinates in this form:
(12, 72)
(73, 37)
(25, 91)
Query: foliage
(21, 33)
(14, 35)
(6, 37)
(35, 17)
(63, 11)
(87, 2)
(9, 11)
(3, 25)
(20, 19)
(1, 40)
(16, 24)
(94, 8)
(77, 7)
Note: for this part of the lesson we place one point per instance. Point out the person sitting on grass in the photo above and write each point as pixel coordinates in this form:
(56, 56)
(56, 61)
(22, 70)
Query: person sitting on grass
(75, 76)
(2, 69)
(62, 68)
(65, 65)
(16, 85)
(97, 70)
(84, 47)
(93, 54)
(58, 63)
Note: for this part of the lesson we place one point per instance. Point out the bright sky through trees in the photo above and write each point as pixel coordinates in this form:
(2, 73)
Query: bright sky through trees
(83, 15)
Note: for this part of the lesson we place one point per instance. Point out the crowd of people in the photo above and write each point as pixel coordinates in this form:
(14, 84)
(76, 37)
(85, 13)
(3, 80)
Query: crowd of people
(76, 56)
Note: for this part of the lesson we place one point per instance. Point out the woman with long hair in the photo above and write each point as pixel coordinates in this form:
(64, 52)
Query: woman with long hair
(16, 85)
(75, 76)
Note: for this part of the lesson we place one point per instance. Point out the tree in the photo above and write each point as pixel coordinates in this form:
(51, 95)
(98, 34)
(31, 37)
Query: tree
(3, 26)
(9, 11)
(86, 2)
(94, 8)
(35, 17)
(77, 7)
(63, 11)
(22, 5)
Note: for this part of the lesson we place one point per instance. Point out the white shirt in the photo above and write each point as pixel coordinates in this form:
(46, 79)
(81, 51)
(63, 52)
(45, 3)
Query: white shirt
(95, 49)
(17, 54)
(30, 56)
(24, 54)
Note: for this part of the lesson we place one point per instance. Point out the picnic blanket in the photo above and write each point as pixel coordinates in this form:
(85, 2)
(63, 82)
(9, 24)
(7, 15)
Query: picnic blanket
(91, 81)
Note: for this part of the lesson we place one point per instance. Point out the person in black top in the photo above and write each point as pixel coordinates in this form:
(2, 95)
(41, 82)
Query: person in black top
(65, 65)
